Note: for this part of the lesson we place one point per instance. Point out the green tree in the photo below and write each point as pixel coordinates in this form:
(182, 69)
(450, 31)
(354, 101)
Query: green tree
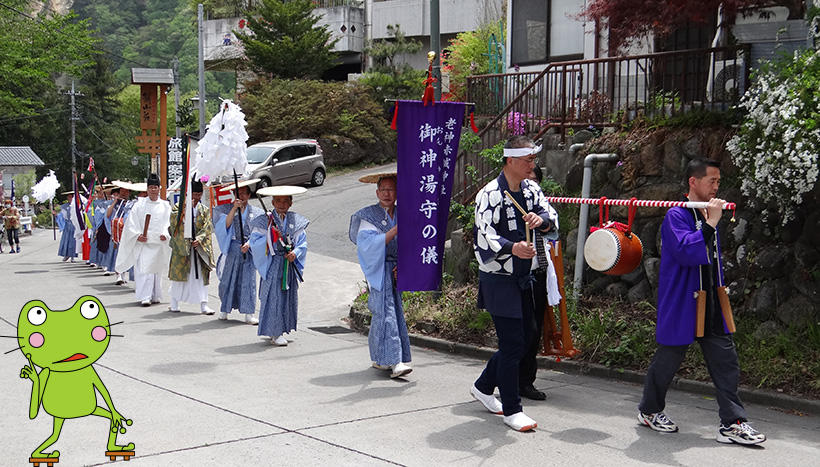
(468, 56)
(35, 50)
(286, 42)
(384, 52)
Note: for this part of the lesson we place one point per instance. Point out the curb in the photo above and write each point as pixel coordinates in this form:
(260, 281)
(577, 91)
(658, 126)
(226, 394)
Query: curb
(359, 321)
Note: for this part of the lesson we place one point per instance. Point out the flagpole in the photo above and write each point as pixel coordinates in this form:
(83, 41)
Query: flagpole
(53, 227)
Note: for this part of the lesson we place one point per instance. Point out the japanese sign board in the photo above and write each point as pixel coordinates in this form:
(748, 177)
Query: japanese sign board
(428, 138)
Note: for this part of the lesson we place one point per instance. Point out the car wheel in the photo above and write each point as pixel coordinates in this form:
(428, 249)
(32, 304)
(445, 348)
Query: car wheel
(264, 183)
(318, 177)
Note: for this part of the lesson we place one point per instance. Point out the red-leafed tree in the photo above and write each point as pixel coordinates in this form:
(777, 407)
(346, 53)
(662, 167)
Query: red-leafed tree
(629, 20)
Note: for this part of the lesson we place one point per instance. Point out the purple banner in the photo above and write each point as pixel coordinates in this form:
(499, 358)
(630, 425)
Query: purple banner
(428, 140)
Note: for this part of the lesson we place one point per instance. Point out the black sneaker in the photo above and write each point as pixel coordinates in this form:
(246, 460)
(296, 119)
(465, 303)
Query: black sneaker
(740, 433)
(658, 422)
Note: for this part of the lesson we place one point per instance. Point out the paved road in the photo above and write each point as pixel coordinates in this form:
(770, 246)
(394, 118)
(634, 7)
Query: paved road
(207, 392)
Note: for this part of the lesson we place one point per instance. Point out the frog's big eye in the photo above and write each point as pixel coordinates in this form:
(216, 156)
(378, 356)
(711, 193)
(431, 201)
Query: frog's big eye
(37, 316)
(90, 309)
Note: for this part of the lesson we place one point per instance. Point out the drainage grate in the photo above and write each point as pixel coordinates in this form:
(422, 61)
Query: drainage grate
(35, 271)
(332, 329)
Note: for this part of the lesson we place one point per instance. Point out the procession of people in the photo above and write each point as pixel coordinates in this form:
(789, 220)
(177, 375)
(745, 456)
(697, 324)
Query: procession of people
(263, 255)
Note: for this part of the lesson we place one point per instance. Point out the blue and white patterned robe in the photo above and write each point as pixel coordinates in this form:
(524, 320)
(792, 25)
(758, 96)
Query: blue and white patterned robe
(498, 225)
(388, 340)
(120, 210)
(68, 246)
(237, 276)
(278, 308)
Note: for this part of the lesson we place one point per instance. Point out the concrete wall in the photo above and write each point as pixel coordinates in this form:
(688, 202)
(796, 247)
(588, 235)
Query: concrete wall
(414, 16)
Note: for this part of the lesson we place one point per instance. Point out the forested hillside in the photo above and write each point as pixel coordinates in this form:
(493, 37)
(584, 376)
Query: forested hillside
(46, 47)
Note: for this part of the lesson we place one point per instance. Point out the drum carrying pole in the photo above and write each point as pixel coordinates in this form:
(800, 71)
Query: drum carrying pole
(562, 347)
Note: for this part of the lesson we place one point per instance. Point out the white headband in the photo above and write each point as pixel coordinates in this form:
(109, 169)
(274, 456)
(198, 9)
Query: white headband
(521, 152)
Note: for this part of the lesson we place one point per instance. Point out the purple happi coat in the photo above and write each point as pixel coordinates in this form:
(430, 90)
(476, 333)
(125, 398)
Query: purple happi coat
(683, 250)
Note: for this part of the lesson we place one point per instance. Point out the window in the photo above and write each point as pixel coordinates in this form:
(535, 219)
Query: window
(546, 31)
(305, 150)
(285, 154)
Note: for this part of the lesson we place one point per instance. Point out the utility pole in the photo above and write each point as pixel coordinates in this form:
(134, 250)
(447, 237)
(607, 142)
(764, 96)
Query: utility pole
(175, 66)
(435, 45)
(201, 68)
(73, 119)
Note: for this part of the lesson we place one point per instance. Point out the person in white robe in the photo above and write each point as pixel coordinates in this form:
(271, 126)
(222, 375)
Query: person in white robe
(147, 251)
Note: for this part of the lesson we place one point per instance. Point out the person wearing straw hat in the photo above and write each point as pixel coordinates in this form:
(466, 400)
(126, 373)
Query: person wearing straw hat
(144, 243)
(102, 238)
(279, 246)
(192, 254)
(694, 305)
(117, 212)
(374, 229)
(237, 281)
(68, 244)
(505, 259)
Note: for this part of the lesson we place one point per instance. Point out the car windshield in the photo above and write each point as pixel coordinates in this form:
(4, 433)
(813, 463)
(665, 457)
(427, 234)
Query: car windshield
(258, 155)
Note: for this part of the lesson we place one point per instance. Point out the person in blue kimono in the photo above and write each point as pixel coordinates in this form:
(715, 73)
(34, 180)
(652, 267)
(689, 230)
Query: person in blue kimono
(691, 264)
(374, 229)
(505, 284)
(279, 246)
(119, 208)
(68, 246)
(94, 220)
(102, 238)
(237, 281)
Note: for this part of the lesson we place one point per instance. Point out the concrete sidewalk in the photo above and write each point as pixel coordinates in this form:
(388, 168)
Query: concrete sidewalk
(208, 392)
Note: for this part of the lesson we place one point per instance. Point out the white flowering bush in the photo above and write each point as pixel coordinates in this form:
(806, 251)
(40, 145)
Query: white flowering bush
(777, 146)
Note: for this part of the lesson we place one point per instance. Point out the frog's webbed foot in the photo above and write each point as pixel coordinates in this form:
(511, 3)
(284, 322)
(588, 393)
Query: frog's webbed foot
(127, 447)
(40, 454)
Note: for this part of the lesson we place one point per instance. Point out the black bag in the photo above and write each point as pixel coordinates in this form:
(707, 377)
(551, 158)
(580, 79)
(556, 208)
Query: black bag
(103, 239)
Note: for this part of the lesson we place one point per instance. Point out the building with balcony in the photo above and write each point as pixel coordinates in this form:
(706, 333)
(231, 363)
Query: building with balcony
(353, 22)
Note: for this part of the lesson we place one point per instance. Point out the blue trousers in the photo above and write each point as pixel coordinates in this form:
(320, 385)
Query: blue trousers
(515, 335)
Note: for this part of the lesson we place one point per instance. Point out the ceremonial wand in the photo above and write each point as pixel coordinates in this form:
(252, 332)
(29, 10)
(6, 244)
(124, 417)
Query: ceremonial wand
(239, 211)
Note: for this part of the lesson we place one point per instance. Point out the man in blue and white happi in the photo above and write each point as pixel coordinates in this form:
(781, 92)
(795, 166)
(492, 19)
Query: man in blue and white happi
(505, 260)
(279, 246)
(237, 274)
(373, 229)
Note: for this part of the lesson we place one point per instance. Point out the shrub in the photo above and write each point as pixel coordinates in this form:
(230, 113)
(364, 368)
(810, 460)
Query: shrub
(776, 148)
(286, 109)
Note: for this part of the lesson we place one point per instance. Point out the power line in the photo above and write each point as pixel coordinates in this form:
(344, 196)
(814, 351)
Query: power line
(101, 49)
(27, 117)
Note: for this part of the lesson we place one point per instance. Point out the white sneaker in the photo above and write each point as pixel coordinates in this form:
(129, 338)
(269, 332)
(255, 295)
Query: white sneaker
(400, 369)
(380, 367)
(520, 422)
(250, 319)
(489, 401)
(206, 310)
(171, 309)
(222, 315)
(280, 341)
(146, 302)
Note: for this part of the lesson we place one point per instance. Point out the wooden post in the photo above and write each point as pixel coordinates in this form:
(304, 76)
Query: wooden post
(163, 139)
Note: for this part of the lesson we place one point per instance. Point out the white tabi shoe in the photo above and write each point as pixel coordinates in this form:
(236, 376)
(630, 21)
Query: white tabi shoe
(289, 336)
(520, 422)
(145, 303)
(205, 310)
(400, 369)
(250, 319)
(222, 315)
(280, 341)
(488, 401)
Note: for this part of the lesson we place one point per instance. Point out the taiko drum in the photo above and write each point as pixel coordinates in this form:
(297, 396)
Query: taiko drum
(613, 252)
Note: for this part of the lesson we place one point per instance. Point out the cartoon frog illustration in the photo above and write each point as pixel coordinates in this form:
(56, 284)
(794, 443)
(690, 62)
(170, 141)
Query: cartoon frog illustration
(65, 344)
